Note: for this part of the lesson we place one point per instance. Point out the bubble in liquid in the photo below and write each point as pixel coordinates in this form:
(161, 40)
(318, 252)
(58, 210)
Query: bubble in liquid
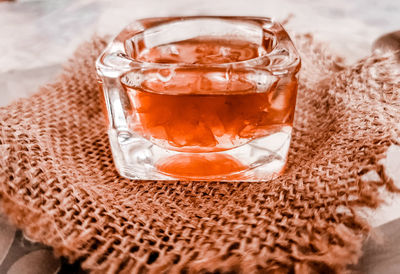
(165, 75)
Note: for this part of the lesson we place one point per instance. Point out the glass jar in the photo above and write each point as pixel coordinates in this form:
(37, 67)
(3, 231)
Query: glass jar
(200, 98)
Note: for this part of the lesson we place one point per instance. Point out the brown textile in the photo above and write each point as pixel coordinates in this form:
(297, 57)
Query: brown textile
(58, 181)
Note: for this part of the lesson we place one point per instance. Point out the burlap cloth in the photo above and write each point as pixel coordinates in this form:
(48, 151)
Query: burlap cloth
(59, 184)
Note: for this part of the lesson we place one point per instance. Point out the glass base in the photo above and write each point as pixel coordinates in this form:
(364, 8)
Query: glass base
(262, 159)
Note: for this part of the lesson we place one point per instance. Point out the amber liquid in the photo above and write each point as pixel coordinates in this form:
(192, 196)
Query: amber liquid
(198, 109)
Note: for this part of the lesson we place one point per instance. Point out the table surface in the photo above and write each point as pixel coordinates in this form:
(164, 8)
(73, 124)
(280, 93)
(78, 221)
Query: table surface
(38, 36)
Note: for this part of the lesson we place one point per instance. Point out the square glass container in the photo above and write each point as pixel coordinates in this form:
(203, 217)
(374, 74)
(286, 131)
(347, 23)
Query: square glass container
(200, 98)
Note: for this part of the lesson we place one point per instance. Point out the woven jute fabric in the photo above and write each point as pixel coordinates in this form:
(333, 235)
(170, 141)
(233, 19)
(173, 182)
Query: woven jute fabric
(59, 183)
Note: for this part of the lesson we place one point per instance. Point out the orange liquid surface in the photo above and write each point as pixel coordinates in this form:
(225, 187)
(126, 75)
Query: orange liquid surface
(196, 51)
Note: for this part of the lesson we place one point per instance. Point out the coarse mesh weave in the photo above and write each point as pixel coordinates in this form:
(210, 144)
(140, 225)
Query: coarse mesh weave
(58, 182)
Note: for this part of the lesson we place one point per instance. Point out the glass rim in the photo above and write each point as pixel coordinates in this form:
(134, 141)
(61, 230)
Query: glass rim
(115, 59)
